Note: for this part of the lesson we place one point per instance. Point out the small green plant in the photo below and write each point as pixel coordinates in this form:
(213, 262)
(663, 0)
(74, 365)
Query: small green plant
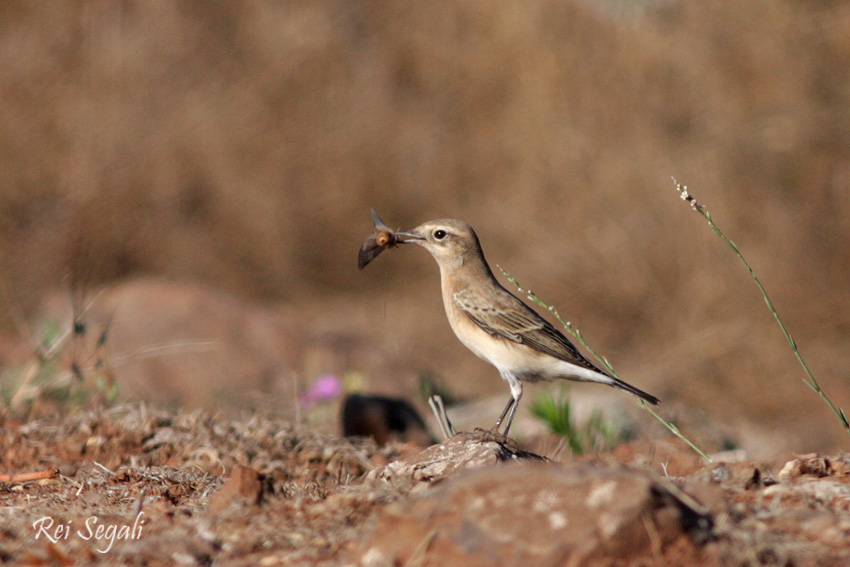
(58, 375)
(555, 410)
(66, 370)
(429, 386)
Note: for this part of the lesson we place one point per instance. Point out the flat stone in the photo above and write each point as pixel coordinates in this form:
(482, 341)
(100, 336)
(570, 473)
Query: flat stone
(465, 451)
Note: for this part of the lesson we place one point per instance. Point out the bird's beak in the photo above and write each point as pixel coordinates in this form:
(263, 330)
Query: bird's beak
(407, 237)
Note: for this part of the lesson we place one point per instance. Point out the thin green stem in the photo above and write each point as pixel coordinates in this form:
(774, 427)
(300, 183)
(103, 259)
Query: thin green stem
(810, 379)
(603, 361)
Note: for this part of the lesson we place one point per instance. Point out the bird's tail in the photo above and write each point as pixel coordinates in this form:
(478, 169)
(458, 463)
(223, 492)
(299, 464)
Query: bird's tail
(617, 383)
(596, 375)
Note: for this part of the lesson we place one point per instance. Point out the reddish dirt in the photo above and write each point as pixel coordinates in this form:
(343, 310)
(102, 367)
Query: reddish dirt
(261, 492)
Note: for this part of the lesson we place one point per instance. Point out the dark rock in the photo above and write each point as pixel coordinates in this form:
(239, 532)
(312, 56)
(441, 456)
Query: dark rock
(384, 419)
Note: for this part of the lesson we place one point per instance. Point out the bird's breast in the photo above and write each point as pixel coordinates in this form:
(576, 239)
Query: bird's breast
(504, 354)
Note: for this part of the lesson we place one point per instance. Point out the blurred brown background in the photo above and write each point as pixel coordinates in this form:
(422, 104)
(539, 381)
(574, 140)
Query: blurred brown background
(233, 150)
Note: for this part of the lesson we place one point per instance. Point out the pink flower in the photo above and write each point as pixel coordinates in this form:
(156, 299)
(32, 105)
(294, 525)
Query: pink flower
(324, 388)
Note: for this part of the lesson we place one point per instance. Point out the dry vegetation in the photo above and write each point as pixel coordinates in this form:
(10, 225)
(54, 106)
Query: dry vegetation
(295, 497)
(232, 151)
(242, 145)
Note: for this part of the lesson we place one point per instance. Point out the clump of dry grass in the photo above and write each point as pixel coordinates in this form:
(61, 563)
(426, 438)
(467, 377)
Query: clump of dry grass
(136, 435)
(131, 460)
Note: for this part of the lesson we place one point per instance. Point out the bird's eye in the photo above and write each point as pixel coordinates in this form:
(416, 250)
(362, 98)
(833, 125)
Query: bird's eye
(440, 234)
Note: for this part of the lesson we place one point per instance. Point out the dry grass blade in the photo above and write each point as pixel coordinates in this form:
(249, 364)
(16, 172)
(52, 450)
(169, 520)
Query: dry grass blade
(435, 402)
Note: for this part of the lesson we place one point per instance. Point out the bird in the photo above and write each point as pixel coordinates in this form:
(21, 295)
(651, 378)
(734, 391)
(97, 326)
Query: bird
(495, 324)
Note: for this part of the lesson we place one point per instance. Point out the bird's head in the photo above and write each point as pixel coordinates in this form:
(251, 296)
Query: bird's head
(450, 241)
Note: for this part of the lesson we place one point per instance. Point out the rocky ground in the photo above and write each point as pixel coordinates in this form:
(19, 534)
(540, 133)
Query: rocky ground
(135, 486)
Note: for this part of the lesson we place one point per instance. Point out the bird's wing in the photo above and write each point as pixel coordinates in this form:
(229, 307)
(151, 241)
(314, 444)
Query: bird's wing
(510, 318)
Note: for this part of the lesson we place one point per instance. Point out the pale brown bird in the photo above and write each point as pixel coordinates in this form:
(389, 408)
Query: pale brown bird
(496, 325)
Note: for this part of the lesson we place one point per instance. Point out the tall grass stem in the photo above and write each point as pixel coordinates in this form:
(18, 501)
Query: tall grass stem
(810, 379)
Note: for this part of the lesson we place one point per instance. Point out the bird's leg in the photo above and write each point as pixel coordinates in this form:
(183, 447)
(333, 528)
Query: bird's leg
(505, 411)
(511, 417)
(510, 409)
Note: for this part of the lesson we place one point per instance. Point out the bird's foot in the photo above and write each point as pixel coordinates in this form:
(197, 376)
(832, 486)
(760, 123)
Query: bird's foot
(495, 436)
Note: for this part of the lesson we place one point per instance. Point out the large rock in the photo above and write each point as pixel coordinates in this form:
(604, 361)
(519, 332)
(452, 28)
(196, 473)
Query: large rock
(542, 514)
